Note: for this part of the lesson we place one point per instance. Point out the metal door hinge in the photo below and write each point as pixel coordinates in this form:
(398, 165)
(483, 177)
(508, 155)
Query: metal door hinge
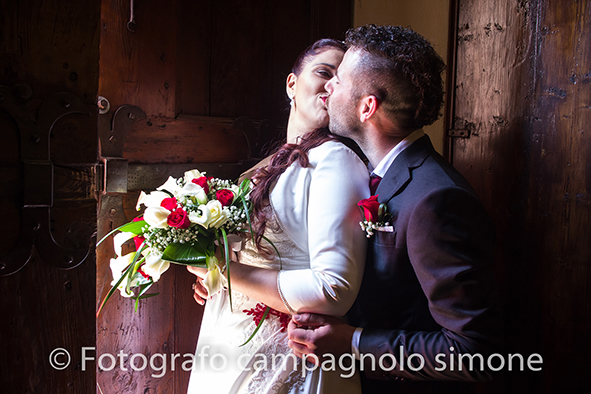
(115, 171)
(459, 133)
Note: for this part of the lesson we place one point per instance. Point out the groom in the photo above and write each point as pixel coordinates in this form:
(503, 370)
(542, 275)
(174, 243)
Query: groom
(427, 291)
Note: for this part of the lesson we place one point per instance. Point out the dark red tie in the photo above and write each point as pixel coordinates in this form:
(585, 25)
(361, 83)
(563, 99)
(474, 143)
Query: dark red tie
(374, 181)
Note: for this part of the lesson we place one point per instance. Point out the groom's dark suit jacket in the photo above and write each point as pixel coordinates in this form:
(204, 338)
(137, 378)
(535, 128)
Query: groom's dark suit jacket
(428, 284)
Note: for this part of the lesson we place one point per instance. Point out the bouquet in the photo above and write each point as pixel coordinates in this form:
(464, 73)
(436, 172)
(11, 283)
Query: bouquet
(184, 221)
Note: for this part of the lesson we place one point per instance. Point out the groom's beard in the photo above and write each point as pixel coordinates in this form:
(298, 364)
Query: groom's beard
(342, 121)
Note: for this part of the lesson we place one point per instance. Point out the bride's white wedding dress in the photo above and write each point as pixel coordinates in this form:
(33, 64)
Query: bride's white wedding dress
(322, 251)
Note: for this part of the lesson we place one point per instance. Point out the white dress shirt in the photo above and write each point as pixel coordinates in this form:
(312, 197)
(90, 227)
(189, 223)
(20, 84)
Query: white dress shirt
(386, 162)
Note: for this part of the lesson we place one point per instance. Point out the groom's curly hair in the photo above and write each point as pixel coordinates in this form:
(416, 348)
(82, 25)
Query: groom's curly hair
(403, 71)
(265, 177)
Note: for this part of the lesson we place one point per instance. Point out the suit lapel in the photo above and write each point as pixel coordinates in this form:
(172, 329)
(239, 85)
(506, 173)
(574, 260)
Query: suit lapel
(399, 173)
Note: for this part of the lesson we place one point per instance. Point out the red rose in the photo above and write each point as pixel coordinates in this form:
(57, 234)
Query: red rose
(202, 181)
(179, 219)
(169, 203)
(370, 206)
(141, 271)
(138, 241)
(225, 197)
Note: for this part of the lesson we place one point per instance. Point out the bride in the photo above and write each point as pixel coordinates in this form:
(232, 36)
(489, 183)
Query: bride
(305, 202)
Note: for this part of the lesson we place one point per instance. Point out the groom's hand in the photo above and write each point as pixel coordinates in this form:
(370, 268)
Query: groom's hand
(319, 334)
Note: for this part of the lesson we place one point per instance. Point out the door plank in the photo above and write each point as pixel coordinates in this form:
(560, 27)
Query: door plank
(185, 140)
(559, 209)
(521, 89)
(139, 68)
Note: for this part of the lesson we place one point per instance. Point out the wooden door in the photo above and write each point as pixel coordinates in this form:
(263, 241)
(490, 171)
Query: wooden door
(48, 84)
(190, 84)
(521, 100)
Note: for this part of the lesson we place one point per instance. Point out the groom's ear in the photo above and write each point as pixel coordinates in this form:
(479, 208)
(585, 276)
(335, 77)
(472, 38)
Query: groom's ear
(368, 107)
(290, 85)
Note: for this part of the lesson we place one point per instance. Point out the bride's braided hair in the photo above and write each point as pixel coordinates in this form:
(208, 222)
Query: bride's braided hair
(265, 177)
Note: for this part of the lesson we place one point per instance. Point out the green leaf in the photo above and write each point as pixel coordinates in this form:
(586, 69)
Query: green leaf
(227, 257)
(187, 254)
(224, 240)
(247, 211)
(131, 227)
(276, 251)
(136, 263)
(110, 293)
(229, 285)
(143, 288)
(383, 208)
(141, 295)
(129, 272)
(244, 187)
(258, 326)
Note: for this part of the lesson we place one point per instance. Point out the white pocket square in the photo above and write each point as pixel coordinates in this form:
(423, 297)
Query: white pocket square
(387, 229)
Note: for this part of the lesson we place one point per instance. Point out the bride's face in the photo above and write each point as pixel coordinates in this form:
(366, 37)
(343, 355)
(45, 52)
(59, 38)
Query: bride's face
(307, 89)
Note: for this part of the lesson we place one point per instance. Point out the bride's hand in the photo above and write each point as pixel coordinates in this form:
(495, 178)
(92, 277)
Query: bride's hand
(197, 271)
(200, 292)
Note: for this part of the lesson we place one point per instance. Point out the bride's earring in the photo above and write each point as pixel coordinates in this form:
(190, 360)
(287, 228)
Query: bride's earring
(291, 99)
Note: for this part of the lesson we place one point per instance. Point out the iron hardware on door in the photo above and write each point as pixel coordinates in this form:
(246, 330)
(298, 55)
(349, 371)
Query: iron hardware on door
(45, 223)
(459, 133)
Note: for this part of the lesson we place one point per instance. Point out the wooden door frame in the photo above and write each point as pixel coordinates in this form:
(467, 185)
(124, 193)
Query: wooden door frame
(450, 78)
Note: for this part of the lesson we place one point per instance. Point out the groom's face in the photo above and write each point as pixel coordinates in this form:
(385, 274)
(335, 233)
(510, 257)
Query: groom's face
(343, 98)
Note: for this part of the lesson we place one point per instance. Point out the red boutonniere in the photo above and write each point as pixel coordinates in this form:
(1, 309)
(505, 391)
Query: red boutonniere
(376, 216)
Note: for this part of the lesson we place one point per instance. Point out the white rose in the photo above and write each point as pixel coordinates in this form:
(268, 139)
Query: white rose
(193, 174)
(171, 186)
(218, 215)
(194, 190)
(156, 216)
(155, 266)
(153, 199)
(201, 216)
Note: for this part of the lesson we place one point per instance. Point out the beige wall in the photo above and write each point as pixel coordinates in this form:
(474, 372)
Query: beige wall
(429, 18)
